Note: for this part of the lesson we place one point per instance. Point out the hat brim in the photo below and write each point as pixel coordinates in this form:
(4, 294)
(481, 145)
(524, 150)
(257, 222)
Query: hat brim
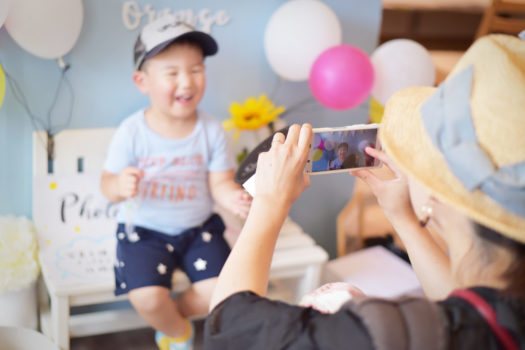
(405, 140)
(206, 42)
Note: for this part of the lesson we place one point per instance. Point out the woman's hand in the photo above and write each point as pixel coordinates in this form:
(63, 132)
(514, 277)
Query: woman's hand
(392, 195)
(431, 264)
(280, 172)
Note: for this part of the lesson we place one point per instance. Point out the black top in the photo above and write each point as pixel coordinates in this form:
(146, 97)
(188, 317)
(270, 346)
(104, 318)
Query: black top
(245, 321)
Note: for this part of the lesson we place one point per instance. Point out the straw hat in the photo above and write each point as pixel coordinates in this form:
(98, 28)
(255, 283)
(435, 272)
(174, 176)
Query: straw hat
(465, 140)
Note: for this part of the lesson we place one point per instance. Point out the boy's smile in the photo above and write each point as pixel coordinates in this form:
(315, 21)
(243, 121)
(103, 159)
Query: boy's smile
(184, 98)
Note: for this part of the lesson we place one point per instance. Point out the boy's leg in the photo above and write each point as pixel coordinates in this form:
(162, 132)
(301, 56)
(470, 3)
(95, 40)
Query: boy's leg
(143, 269)
(202, 262)
(196, 300)
(155, 305)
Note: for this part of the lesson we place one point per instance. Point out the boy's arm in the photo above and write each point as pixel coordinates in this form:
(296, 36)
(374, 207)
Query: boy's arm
(119, 187)
(228, 194)
(109, 186)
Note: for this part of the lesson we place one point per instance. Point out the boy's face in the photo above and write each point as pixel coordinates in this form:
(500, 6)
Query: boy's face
(175, 80)
(341, 152)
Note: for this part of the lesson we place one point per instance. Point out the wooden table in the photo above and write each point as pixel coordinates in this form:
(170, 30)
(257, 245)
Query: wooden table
(437, 5)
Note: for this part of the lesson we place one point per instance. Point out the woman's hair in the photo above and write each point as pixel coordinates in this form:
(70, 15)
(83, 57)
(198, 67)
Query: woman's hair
(515, 273)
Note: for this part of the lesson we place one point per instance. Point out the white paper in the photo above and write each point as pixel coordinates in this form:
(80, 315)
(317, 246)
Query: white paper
(376, 271)
(249, 185)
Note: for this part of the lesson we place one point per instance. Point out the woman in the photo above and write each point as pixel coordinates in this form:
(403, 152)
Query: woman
(458, 152)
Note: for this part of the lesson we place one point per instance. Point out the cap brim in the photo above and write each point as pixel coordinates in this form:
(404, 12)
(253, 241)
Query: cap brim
(405, 140)
(206, 42)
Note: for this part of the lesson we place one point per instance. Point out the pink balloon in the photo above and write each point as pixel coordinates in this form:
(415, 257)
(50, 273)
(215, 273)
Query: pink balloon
(341, 77)
(317, 141)
(321, 144)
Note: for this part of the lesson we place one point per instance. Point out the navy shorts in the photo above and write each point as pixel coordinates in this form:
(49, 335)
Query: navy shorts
(148, 258)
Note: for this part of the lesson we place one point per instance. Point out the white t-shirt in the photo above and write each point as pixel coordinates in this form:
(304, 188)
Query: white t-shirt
(174, 194)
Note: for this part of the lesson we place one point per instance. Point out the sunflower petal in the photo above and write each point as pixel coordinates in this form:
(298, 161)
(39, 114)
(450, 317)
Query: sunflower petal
(236, 109)
(228, 124)
(236, 135)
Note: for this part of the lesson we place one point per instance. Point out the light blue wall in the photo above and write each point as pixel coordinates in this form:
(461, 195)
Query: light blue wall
(101, 68)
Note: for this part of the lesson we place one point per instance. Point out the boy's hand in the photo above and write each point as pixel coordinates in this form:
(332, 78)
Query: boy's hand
(241, 203)
(128, 182)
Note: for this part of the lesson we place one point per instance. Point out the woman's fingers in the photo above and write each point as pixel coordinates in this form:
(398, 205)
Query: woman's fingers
(369, 178)
(377, 154)
(297, 137)
(293, 135)
(278, 137)
(305, 136)
(384, 158)
(280, 171)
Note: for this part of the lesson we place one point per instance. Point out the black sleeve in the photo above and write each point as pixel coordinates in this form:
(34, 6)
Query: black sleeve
(245, 321)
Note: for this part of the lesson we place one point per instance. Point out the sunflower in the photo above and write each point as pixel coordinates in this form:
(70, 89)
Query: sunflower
(251, 115)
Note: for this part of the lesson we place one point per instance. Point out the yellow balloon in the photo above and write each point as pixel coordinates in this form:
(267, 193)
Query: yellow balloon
(376, 111)
(317, 155)
(2, 85)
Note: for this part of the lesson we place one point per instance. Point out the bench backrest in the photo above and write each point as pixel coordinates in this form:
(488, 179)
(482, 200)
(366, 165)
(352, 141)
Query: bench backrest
(75, 224)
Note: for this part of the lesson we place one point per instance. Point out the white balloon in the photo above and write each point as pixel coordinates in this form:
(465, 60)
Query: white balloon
(47, 29)
(4, 9)
(399, 64)
(296, 34)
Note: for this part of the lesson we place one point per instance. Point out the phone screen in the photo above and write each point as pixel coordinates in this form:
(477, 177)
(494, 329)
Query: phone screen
(345, 149)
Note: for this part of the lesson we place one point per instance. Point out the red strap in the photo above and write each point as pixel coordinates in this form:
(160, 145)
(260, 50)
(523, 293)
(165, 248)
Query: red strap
(489, 315)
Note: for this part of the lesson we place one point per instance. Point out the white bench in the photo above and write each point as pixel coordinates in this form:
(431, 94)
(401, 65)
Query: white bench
(76, 229)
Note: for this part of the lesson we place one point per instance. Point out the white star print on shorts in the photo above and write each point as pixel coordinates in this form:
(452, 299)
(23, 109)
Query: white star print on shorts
(200, 264)
(161, 269)
(206, 236)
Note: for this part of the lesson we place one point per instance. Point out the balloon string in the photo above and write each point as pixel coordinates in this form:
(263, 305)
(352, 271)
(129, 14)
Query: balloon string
(303, 103)
(308, 101)
(72, 99)
(131, 207)
(275, 88)
(20, 97)
(54, 100)
(38, 123)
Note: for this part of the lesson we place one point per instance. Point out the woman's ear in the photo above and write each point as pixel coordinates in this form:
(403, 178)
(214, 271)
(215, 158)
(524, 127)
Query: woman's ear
(433, 201)
(140, 79)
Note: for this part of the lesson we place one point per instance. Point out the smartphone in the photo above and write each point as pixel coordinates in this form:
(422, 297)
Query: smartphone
(340, 149)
